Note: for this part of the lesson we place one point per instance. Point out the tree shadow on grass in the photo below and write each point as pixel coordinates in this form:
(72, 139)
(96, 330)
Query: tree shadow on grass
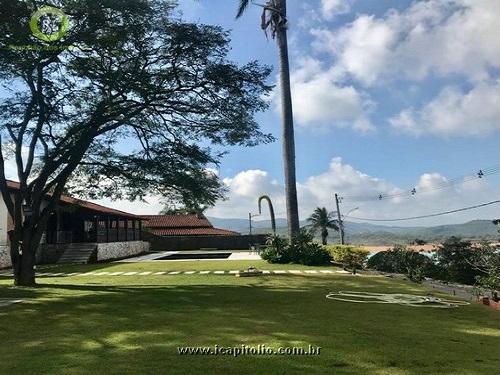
(137, 329)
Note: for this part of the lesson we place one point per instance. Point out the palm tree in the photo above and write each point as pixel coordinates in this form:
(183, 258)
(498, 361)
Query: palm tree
(274, 20)
(321, 219)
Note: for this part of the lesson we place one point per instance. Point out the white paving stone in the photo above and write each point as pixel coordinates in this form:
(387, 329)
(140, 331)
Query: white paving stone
(266, 272)
(174, 273)
(160, 273)
(204, 272)
(310, 271)
(279, 272)
(129, 273)
(219, 272)
(295, 271)
(234, 272)
(101, 273)
(115, 273)
(189, 272)
(144, 273)
(326, 271)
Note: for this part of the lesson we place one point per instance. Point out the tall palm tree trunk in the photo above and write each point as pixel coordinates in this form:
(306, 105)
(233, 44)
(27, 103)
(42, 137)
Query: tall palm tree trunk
(292, 208)
(324, 236)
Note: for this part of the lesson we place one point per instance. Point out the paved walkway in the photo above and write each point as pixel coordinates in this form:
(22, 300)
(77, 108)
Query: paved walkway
(7, 301)
(170, 273)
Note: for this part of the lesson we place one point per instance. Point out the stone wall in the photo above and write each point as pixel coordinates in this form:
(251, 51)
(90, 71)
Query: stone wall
(120, 250)
(5, 257)
(49, 254)
(203, 242)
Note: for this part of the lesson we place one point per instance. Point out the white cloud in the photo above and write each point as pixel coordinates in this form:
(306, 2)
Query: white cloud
(244, 190)
(453, 112)
(361, 49)
(342, 178)
(246, 187)
(442, 37)
(331, 8)
(321, 102)
(152, 205)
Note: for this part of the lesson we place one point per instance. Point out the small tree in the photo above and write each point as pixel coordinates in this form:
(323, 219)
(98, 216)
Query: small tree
(125, 71)
(458, 260)
(487, 261)
(402, 260)
(321, 220)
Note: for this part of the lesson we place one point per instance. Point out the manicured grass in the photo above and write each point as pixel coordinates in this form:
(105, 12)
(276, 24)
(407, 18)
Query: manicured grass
(126, 325)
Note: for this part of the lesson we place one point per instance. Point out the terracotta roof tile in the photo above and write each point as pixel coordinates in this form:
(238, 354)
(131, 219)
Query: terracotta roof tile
(177, 221)
(193, 232)
(85, 204)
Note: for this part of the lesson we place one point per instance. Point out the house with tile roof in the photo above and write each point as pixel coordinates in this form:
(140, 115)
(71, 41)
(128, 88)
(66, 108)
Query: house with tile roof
(79, 231)
(183, 225)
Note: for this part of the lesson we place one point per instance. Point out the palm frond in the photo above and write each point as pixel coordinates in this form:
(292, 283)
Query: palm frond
(242, 7)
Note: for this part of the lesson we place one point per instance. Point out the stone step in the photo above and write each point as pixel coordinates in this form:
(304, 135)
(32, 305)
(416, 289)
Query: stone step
(77, 253)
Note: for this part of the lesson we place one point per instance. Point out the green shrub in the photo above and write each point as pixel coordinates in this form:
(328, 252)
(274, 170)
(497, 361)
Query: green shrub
(305, 251)
(350, 257)
(277, 250)
(302, 250)
(414, 265)
(384, 261)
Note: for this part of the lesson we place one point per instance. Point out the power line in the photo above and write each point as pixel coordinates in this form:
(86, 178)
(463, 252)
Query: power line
(482, 173)
(427, 216)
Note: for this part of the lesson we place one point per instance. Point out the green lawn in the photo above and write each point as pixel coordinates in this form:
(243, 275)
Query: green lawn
(134, 324)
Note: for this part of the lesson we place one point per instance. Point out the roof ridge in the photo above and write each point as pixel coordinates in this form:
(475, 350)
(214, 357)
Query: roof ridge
(65, 198)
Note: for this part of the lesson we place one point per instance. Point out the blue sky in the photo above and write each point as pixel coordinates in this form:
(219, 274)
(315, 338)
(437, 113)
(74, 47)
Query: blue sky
(401, 92)
(388, 95)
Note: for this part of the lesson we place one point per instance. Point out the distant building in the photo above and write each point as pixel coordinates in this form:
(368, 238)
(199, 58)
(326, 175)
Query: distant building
(183, 225)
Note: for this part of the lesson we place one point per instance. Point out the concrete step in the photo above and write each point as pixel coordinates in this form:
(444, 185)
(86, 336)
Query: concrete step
(78, 253)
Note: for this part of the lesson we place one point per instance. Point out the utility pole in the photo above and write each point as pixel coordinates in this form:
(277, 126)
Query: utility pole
(341, 224)
(250, 222)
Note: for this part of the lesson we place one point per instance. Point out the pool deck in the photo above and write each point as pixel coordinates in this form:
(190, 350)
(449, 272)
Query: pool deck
(235, 255)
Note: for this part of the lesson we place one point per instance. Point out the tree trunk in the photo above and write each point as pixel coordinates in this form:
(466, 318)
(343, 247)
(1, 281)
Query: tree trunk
(26, 274)
(324, 236)
(24, 268)
(292, 209)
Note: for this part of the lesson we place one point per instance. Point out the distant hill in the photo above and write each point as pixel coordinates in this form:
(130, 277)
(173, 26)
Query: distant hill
(370, 234)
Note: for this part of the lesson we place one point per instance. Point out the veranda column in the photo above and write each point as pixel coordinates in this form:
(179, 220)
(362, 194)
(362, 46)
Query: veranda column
(96, 227)
(107, 229)
(58, 225)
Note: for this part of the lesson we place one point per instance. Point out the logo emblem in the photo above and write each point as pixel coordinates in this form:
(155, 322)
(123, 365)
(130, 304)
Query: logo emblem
(45, 18)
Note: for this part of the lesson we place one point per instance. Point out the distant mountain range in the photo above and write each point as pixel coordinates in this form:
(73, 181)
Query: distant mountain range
(370, 234)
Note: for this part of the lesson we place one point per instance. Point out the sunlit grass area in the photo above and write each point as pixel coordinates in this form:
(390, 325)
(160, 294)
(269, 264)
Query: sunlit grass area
(134, 324)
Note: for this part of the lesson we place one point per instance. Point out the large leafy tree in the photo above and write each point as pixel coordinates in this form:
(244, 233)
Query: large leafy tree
(274, 20)
(131, 101)
(321, 220)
